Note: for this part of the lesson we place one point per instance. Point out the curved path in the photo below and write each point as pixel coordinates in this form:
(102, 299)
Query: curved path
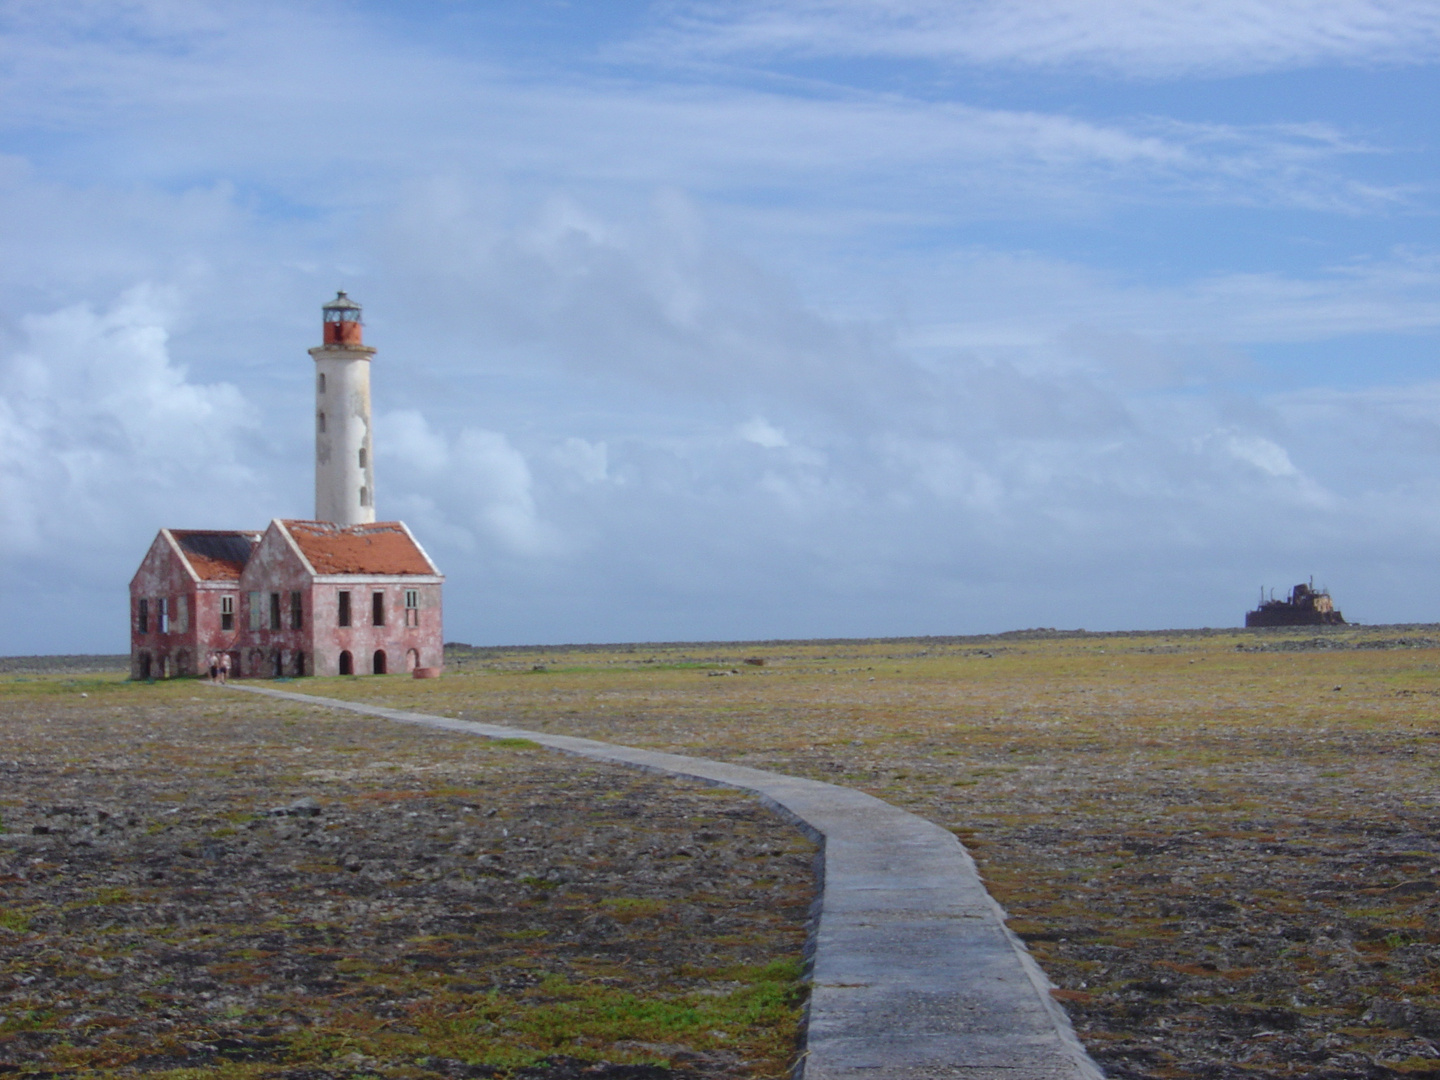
(915, 973)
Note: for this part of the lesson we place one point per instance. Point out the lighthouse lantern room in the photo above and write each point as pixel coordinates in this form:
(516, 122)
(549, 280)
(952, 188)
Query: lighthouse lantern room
(342, 321)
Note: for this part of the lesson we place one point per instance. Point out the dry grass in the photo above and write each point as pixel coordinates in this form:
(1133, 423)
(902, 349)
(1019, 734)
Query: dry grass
(1222, 846)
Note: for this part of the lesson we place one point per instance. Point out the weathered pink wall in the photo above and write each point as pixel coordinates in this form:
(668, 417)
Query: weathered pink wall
(163, 575)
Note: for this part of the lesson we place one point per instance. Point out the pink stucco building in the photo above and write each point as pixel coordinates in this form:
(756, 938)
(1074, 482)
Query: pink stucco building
(352, 596)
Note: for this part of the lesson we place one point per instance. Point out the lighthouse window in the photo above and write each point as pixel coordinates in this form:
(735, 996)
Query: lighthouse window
(322, 382)
(320, 423)
(364, 496)
(362, 457)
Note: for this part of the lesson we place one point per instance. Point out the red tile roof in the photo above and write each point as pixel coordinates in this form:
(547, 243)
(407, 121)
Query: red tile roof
(383, 547)
(216, 555)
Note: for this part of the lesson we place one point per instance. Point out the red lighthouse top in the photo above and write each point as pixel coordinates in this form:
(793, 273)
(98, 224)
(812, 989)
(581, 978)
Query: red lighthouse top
(342, 321)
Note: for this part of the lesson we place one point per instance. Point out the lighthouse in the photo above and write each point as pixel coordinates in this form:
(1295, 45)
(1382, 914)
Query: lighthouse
(343, 594)
(344, 454)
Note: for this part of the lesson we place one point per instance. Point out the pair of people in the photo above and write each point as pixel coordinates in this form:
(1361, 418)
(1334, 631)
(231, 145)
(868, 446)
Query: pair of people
(220, 667)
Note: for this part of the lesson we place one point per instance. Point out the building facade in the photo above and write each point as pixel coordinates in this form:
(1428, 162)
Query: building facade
(184, 600)
(343, 594)
(302, 598)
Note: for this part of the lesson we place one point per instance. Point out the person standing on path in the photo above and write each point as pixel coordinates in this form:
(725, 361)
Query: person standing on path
(224, 668)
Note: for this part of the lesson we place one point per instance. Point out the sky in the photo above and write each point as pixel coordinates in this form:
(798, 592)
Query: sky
(748, 320)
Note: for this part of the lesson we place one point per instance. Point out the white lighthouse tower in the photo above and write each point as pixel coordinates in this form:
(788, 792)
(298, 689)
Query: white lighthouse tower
(344, 456)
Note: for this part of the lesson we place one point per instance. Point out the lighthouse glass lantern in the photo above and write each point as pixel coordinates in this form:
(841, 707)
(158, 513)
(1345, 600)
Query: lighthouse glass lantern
(342, 321)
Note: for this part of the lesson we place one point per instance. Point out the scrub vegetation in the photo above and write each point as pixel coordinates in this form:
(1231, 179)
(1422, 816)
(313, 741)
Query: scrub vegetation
(1221, 845)
(196, 882)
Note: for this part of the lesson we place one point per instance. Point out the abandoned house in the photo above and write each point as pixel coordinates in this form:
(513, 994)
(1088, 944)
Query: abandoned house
(341, 595)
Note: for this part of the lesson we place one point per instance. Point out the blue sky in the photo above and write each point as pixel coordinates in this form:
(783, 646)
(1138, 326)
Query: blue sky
(743, 320)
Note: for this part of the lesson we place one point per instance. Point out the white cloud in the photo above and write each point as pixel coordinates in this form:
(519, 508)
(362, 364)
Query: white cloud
(588, 461)
(759, 431)
(240, 98)
(103, 434)
(1147, 38)
(473, 485)
(709, 354)
(1261, 453)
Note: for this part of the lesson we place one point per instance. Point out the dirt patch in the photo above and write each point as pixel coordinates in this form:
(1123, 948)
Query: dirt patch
(192, 880)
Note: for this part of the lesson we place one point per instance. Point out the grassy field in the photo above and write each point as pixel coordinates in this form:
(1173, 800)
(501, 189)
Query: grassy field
(1221, 845)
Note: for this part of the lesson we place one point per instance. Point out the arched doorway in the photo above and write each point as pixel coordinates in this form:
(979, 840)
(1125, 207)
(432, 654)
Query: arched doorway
(278, 660)
(412, 660)
(299, 667)
(161, 670)
(347, 664)
(378, 665)
(182, 663)
(257, 663)
(144, 670)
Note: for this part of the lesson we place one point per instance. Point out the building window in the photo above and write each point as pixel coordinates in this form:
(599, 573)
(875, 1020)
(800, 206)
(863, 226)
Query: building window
(162, 617)
(377, 608)
(274, 611)
(320, 384)
(142, 622)
(181, 621)
(344, 619)
(320, 422)
(257, 614)
(364, 495)
(227, 613)
(297, 613)
(412, 607)
(362, 457)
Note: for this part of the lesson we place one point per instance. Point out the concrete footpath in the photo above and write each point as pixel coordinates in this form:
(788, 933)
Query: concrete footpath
(915, 974)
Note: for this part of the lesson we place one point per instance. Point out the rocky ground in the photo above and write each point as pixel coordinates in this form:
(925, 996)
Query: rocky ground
(195, 880)
(1222, 846)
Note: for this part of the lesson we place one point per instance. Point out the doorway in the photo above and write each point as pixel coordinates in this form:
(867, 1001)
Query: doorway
(347, 663)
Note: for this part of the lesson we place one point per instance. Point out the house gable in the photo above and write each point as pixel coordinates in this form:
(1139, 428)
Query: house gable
(161, 566)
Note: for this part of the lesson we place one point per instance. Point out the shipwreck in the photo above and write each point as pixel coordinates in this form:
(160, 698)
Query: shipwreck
(1306, 606)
